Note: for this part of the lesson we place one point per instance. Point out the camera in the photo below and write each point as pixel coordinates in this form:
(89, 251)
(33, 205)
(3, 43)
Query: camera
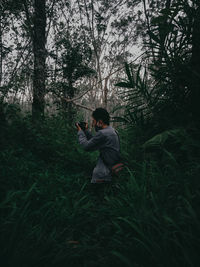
(82, 125)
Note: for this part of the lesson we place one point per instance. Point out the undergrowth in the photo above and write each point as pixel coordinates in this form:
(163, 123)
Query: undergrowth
(49, 216)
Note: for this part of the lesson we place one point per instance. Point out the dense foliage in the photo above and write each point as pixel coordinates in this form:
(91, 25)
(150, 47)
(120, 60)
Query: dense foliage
(50, 217)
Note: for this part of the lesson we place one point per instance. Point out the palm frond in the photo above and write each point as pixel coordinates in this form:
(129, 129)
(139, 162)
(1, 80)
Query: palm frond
(135, 94)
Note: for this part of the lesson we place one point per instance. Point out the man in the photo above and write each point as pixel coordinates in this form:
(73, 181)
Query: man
(106, 141)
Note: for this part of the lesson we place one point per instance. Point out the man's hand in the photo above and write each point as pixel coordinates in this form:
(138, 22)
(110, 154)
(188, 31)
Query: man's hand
(78, 127)
(86, 126)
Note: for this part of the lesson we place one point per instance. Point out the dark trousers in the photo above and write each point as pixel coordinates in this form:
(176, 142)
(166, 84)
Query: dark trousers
(100, 190)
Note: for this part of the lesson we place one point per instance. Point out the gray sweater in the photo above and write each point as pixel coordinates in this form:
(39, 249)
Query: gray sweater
(107, 142)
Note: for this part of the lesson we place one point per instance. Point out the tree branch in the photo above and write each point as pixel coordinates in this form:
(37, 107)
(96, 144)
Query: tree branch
(76, 98)
(68, 100)
(28, 19)
(82, 106)
(50, 19)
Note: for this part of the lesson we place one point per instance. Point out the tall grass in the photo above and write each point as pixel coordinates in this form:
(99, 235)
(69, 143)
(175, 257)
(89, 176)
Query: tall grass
(49, 217)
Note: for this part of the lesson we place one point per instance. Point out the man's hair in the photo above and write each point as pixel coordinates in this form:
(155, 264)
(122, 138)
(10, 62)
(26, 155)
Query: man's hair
(101, 114)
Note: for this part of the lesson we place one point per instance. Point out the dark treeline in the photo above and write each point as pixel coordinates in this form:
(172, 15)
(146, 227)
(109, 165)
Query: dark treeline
(59, 60)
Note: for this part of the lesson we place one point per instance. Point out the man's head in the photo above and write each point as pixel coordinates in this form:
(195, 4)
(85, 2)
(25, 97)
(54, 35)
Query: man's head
(101, 118)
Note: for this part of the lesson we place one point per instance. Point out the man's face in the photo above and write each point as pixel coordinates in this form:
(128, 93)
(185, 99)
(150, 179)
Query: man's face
(96, 123)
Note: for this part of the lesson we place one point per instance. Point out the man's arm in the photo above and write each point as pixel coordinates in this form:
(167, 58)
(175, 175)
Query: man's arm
(92, 144)
(88, 134)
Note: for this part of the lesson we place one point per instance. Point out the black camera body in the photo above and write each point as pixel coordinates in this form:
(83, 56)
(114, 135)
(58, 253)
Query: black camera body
(82, 125)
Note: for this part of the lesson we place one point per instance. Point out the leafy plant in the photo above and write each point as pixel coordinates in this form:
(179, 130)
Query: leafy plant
(136, 96)
(170, 53)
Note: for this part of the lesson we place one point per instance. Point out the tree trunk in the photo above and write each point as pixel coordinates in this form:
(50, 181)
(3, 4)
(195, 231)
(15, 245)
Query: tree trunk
(39, 41)
(1, 51)
(195, 66)
(70, 113)
(2, 115)
(106, 93)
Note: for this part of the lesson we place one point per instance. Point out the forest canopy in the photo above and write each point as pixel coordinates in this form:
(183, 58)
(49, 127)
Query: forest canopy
(52, 52)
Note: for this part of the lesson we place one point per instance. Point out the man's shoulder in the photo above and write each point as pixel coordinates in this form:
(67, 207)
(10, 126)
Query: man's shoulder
(108, 130)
